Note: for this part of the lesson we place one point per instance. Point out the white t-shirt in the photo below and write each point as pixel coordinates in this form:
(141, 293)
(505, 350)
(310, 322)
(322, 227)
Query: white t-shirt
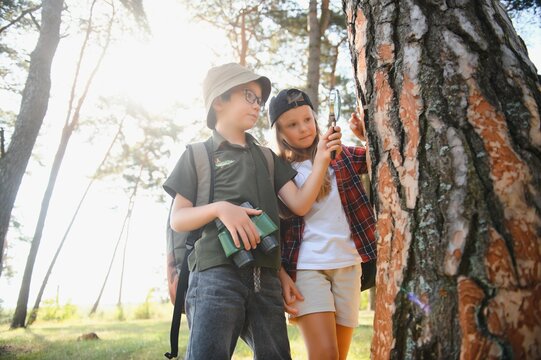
(326, 242)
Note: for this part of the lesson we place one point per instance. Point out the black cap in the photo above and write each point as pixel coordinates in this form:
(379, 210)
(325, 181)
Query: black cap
(287, 99)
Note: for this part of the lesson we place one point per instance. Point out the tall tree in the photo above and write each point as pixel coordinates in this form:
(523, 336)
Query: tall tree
(125, 224)
(34, 313)
(34, 102)
(455, 158)
(316, 29)
(243, 23)
(71, 123)
(140, 166)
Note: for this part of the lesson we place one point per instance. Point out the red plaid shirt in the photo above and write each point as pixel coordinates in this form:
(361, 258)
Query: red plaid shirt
(348, 167)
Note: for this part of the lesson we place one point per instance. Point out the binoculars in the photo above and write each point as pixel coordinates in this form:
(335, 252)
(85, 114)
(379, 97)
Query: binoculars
(266, 229)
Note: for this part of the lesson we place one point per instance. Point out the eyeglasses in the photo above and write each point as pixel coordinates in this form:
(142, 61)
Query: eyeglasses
(252, 98)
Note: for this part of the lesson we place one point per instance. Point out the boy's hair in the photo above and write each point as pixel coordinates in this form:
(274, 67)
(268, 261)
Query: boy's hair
(291, 154)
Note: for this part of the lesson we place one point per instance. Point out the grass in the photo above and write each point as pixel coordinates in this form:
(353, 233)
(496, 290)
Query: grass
(133, 339)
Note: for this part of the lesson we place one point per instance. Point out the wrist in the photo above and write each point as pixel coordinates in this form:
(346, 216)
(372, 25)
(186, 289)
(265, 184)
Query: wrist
(320, 165)
(218, 208)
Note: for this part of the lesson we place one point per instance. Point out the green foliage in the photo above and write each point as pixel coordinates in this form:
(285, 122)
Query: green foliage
(51, 310)
(144, 311)
(143, 145)
(120, 315)
(5, 315)
(365, 300)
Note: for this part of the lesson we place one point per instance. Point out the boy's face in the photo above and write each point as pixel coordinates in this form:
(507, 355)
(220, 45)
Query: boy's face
(242, 110)
(298, 127)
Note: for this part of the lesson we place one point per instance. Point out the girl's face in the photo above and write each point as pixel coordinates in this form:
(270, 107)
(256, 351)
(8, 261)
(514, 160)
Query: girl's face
(298, 127)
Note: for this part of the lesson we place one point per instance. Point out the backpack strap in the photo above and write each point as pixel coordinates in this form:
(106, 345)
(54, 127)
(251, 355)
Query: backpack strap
(269, 158)
(202, 159)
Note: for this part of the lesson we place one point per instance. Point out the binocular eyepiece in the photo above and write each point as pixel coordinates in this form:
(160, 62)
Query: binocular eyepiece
(266, 229)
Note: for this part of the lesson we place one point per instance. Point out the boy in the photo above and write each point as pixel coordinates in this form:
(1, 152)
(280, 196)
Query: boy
(224, 302)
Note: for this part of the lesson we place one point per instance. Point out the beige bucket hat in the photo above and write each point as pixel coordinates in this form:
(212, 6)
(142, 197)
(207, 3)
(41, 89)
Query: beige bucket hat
(225, 77)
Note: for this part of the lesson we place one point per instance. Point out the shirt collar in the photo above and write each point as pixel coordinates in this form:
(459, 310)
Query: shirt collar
(218, 140)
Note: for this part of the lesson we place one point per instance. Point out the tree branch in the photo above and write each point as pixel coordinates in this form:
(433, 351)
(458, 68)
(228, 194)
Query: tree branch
(18, 18)
(35, 21)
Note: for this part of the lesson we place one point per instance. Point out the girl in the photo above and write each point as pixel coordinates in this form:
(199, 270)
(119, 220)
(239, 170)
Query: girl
(322, 252)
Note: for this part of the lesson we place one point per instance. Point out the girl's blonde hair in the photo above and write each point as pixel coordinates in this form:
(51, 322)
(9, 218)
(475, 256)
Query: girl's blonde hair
(291, 154)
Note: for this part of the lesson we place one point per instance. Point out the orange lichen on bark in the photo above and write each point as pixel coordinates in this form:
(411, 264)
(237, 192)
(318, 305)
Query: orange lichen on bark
(498, 263)
(393, 246)
(511, 179)
(385, 53)
(411, 107)
(384, 95)
(474, 344)
(360, 47)
(515, 316)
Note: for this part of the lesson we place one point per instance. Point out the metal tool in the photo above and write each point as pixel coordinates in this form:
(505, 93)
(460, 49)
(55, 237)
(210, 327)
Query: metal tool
(335, 105)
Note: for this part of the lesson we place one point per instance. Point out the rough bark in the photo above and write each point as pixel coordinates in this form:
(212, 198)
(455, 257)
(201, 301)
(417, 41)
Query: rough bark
(34, 102)
(454, 145)
(71, 123)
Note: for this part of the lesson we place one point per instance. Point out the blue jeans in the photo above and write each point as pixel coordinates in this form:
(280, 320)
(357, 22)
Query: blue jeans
(223, 305)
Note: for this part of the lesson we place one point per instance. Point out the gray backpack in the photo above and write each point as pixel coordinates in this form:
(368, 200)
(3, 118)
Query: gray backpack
(181, 244)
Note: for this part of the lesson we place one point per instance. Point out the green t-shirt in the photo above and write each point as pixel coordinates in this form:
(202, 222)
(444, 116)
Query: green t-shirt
(241, 175)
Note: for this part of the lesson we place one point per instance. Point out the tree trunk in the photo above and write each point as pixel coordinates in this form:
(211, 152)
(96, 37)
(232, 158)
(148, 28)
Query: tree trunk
(119, 302)
(19, 316)
(34, 312)
(314, 55)
(243, 39)
(454, 144)
(127, 218)
(34, 102)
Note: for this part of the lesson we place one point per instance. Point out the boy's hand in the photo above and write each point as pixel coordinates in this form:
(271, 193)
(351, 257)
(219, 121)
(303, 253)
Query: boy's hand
(356, 123)
(237, 220)
(329, 142)
(290, 292)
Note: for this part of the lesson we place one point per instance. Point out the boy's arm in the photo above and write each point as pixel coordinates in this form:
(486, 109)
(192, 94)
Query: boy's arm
(186, 217)
(300, 200)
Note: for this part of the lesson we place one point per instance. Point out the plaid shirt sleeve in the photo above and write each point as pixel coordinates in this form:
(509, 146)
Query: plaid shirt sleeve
(291, 231)
(348, 167)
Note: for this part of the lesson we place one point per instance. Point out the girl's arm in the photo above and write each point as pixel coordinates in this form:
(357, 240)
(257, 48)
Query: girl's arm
(186, 217)
(289, 292)
(300, 200)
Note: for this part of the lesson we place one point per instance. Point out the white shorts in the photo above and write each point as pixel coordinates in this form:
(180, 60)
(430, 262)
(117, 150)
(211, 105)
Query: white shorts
(336, 290)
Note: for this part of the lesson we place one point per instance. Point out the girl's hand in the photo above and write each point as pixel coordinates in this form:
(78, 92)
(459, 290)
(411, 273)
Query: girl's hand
(329, 142)
(290, 292)
(356, 123)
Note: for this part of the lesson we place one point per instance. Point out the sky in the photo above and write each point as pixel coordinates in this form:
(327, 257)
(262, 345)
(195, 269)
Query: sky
(169, 66)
